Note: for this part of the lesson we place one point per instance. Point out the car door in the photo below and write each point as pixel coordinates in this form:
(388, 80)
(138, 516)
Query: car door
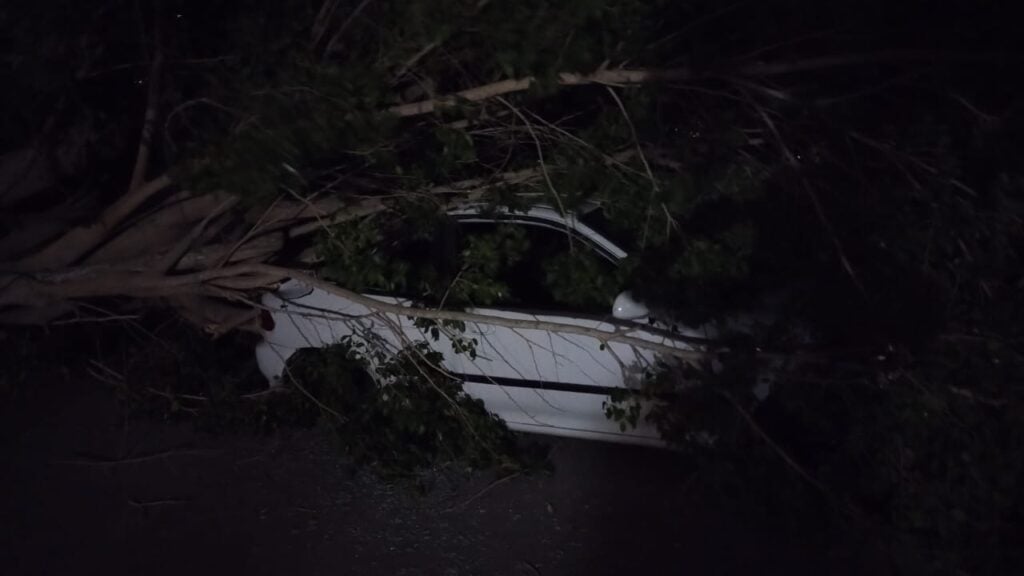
(541, 379)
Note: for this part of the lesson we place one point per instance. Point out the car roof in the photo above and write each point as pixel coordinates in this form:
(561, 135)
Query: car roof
(539, 215)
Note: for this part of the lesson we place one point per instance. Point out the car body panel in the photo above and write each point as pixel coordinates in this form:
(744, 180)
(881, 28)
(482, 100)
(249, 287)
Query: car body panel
(536, 380)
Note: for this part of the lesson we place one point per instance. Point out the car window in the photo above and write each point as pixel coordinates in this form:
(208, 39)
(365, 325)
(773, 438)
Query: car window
(534, 267)
(394, 258)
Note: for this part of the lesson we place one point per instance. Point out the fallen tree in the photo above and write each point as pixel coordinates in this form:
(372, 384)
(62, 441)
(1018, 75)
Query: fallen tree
(161, 240)
(746, 153)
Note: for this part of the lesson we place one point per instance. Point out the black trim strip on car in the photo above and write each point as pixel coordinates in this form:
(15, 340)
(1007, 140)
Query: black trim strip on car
(540, 385)
(558, 386)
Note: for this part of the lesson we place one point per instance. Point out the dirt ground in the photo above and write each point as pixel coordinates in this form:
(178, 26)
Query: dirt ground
(89, 491)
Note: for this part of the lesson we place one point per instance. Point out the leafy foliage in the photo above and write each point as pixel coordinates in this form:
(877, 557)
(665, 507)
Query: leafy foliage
(579, 280)
(355, 259)
(408, 417)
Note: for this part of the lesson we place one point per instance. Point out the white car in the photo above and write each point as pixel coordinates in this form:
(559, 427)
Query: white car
(537, 379)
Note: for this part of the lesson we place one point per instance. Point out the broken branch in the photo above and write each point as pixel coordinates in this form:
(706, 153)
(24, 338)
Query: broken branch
(148, 121)
(608, 77)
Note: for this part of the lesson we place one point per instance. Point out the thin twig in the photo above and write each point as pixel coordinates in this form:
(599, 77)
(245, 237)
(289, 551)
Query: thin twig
(295, 382)
(320, 23)
(467, 190)
(174, 396)
(93, 461)
(108, 370)
(965, 393)
(103, 378)
(699, 21)
(781, 452)
(151, 503)
(149, 120)
(815, 202)
(540, 156)
(613, 159)
(485, 490)
(95, 319)
(185, 243)
(249, 234)
(404, 68)
(344, 25)
(643, 158)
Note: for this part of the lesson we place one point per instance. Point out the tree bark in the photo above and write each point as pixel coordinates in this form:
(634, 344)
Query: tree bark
(79, 241)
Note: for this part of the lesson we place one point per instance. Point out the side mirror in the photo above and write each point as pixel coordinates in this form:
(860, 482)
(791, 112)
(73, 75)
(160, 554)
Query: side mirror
(292, 290)
(626, 308)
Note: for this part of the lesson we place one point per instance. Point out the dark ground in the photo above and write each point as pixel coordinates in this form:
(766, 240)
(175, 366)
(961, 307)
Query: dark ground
(192, 503)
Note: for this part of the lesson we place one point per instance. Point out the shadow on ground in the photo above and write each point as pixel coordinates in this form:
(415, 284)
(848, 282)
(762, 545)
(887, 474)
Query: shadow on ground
(87, 490)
